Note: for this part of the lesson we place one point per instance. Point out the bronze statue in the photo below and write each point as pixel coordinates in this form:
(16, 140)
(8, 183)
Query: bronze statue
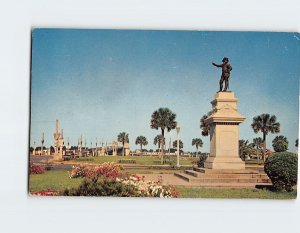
(226, 68)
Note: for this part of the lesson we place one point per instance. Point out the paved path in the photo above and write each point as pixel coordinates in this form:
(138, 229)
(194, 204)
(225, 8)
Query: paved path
(168, 179)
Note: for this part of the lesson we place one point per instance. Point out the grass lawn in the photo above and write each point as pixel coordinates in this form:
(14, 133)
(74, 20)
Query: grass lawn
(142, 160)
(234, 193)
(59, 180)
(54, 180)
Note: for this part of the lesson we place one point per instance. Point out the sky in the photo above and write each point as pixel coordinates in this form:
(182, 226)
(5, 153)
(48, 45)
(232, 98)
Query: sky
(99, 83)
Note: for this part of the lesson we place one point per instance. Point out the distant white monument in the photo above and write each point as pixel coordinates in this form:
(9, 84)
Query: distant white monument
(58, 144)
(80, 146)
(42, 147)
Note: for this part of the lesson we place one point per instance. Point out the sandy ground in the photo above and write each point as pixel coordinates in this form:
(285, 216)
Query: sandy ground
(168, 179)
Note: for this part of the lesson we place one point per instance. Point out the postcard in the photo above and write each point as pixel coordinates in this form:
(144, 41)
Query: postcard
(164, 113)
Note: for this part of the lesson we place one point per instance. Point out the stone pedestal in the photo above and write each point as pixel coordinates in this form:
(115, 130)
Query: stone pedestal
(58, 155)
(224, 121)
(126, 148)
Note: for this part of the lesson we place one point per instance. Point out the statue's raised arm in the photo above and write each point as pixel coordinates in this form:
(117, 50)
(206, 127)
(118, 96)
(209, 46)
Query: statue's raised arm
(216, 64)
(226, 68)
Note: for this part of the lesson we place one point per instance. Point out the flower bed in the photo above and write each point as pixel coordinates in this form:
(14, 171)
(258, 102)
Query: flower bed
(45, 193)
(149, 188)
(136, 184)
(36, 169)
(108, 170)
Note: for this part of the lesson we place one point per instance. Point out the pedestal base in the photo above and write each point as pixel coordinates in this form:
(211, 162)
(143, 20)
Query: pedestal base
(58, 157)
(224, 163)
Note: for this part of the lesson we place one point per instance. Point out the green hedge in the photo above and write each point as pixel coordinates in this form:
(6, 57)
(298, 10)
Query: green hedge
(201, 160)
(104, 187)
(282, 168)
(126, 161)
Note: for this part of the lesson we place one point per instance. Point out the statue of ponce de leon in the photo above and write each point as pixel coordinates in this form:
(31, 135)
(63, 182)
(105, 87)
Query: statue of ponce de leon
(226, 68)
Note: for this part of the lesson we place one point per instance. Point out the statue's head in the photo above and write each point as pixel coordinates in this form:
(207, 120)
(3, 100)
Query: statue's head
(225, 59)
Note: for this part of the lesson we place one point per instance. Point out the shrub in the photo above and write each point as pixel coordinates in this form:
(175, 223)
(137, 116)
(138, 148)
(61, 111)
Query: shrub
(201, 160)
(103, 187)
(36, 169)
(113, 183)
(282, 168)
(48, 167)
(280, 146)
(280, 143)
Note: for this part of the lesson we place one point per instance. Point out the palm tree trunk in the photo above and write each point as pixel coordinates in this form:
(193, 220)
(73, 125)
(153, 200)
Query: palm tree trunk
(123, 149)
(264, 150)
(162, 147)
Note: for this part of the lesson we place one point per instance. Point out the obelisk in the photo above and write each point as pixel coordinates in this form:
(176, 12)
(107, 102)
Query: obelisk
(58, 143)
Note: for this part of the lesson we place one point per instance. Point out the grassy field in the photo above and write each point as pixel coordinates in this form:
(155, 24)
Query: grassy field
(141, 160)
(54, 180)
(59, 180)
(233, 193)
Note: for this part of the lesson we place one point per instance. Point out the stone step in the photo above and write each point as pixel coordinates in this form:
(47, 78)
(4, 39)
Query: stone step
(207, 179)
(225, 171)
(231, 185)
(193, 173)
(226, 175)
(229, 180)
(184, 176)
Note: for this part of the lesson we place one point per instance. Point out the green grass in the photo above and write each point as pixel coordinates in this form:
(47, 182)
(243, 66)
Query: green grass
(54, 180)
(141, 160)
(233, 193)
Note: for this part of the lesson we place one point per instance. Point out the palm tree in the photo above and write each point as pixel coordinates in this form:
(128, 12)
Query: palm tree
(245, 148)
(265, 123)
(180, 144)
(296, 143)
(198, 143)
(258, 144)
(123, 138)
(204, 127)
(158, 139)
(142, 141)
(280, 143)
(164, 119)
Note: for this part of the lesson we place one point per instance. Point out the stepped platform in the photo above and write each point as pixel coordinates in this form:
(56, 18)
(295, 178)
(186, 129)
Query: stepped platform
(224, 177)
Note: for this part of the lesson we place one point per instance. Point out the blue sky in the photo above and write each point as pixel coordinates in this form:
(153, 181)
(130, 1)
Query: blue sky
(101, 82)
